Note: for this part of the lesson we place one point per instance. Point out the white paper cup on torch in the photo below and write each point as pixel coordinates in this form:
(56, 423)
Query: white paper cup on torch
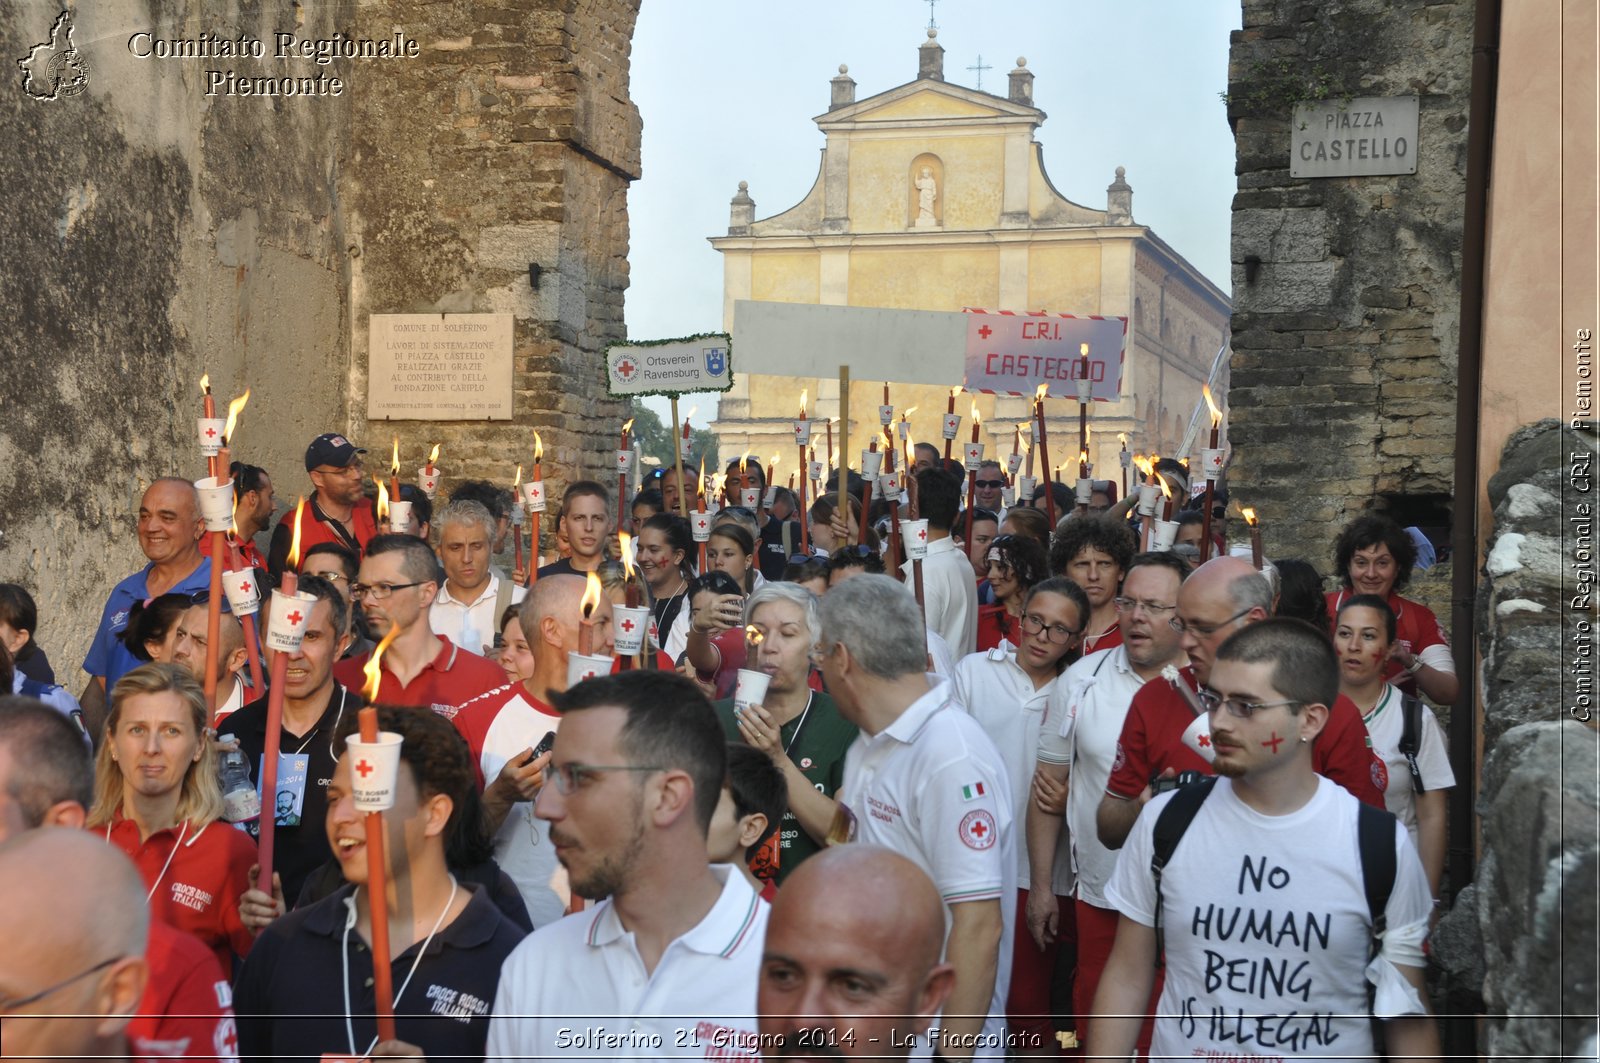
(216, 503)
(770, 497)
(1212, 461)
(914, 533)
(750, 689)
(905, 429)
(1163, 535)
(1013, 463)
(700, 526)
(628, 628)
(210, 430)
(1197, 736)
(1085, 390)
(244, 596)
(1149, 498)
(1025, 489)
(889, 484)
(287, 619)
(750, 497)
(533, 496)
(428, 481)
(886, 415)
(400, 516)
(581, 666)
(972, 455)
(375, 767)
(1085, 491)
(952, 425)
(625, 462)
(871, 463)
(815, 470)
(802, 432)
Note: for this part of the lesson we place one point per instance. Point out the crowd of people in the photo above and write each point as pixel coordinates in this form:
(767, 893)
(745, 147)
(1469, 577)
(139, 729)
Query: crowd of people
(1034, 793)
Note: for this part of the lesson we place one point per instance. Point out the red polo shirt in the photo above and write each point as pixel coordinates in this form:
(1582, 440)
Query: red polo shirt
(196, 875)
(1415, 628)
(1152, 741)
(453, 678)
(1109, 639)
(186, 1011)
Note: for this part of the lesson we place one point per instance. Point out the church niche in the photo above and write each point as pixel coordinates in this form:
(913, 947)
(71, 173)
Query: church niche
(925, 188)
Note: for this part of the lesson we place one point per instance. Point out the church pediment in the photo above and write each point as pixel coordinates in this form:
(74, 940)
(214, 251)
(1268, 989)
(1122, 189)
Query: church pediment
(928, 102)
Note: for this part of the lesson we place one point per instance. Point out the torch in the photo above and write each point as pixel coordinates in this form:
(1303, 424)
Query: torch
(700, 525)
(533, 497)
(1255, 535)
(286, 629)
(1211, 461)
(377, 866)
(244, 598)
(1126, 459)
(516, 521)
(952, 421)
(586, 664)
(974, 458)
(209, 426)
(217, 506)
(1044, 455)
(624, 467)
(428, 476)
(802, 439)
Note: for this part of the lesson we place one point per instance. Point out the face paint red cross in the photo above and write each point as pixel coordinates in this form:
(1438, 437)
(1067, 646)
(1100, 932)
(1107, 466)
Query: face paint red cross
(979, 830)
(985, 332)
(627, 625)
(295, 617)
(211, 433)
(626, 369)
(1274, 744)
(364, 769)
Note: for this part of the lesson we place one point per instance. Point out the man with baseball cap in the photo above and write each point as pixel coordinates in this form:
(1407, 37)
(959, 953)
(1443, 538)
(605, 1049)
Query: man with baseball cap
(337, 512)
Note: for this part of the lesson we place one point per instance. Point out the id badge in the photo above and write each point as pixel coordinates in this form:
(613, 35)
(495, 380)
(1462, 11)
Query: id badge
(289, 802)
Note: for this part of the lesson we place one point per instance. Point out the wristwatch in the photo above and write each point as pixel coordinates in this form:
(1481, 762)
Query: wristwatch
(1415, 666)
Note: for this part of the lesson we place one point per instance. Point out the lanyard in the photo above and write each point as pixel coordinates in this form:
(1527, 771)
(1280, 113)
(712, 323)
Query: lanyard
(801, 726)
(163, 872)
(349, 922)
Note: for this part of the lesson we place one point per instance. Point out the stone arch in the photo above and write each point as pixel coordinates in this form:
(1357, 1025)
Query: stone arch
(935, 167)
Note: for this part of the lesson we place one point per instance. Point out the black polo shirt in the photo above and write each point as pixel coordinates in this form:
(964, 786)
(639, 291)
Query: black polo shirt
(290, 995)
(300, 849)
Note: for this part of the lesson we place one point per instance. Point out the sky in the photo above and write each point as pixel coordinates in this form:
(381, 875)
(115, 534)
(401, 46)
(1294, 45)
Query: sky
(728, 92)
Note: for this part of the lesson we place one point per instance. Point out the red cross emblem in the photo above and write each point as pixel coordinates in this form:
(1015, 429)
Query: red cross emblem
(622, 458)
(211, 433)
(977, 829)
(627, 625)
(1274, 743)
(295, 617)
(364, 769)
(626, 368)
(246, 587)
(1204, 741)
(985, 332)
(922, 535)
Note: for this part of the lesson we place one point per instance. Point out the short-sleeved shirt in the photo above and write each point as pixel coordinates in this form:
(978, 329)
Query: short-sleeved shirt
(933, 787)
(300, 849)
(1385, 724)
(453, 678)
(187, 1008)
(816, 741)
(1415, 628)
(108, 657)
(563, 567)
(196, 874)
(1152, 741)
(1266, 925)
(498, 726)
(949, 593)
(996, 626)
(291, 992)
(316, 527)
(471, 625)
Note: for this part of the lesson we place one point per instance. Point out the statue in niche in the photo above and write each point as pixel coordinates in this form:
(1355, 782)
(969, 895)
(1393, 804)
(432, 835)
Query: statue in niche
(927, 189)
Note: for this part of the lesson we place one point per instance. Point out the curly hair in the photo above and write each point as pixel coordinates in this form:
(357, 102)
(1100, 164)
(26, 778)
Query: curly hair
(1369, 530)
(1023, 556)
(1101, 532)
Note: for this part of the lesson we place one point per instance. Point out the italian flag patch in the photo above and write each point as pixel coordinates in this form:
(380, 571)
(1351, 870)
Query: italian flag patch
(973, 791)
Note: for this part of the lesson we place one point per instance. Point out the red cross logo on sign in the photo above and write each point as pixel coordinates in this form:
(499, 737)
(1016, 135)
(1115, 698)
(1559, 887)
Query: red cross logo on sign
(295, 617)
(627, 624)
(364, 769)
(626, 368)
(986, 332)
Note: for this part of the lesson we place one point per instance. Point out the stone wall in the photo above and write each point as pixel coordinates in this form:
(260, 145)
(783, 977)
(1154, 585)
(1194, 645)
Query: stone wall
(1345, 291)
(154, 233)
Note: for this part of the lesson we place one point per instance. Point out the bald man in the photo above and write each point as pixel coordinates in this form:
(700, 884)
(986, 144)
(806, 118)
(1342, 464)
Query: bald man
(856, 979)
(75, 925)
(189, 650)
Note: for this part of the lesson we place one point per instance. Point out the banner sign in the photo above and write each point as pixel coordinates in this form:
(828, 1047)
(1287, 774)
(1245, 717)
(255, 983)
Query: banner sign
(670, 367)
(1012, 353)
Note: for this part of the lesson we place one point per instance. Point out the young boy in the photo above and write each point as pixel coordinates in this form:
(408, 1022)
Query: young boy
(744, 828)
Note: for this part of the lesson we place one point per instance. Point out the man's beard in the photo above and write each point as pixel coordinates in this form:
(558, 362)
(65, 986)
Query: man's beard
(614, 872)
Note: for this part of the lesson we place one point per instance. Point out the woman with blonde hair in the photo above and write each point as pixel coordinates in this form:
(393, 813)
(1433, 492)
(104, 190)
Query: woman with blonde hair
(157, 798)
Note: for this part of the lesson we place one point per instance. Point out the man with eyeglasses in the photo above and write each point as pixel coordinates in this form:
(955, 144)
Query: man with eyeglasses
(991, 493)
(340, 567)
(666, 963)
(336, 512)
(1270, 844)
(1222, 596)
(1077, 746)
(398, 583)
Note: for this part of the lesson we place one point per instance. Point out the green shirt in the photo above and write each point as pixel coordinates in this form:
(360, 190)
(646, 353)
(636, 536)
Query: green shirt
(816, 740)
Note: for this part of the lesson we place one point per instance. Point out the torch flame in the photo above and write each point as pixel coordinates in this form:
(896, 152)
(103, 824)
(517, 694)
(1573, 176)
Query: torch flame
(974, 411)
(1043, 390)
(205, 383)
(235, 408)
(538, 449)
(695, 409)
(1166, 491)
(753, 635)
(700, 484)
(294, 541)
(717, 481)
(1142, 463)
(433, 455)
(591, 594)
(371, 669)
(627, 425)
(383, 500)
(518, 481)
(627, 554)
(1083, 350)
(394, 462)
(803, 392)
(1216, 414)
(1249, 515)
(234, 531)
(1083, 456)
(1122, 437)
(955, 391)
(777, 459)
(743, 459)
(907, 415)
(1025, 445)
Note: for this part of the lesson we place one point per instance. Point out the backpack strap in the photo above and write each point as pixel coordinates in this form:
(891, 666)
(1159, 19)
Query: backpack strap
(1170, 826)
(502, 600)
(1411, 737)
(1375, 841)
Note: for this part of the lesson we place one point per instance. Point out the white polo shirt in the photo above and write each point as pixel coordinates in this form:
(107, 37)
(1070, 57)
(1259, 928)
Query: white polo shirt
(932, 787)
(1385, 726)
(470, 625)
(500, 725)
(1080, 728)
(577, 989)
(950, 594)
(997, 693)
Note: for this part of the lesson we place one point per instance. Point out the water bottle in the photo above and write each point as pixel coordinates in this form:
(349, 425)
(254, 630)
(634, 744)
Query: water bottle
(240, 802)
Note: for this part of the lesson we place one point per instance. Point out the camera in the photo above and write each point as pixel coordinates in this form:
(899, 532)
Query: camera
(1159, 785)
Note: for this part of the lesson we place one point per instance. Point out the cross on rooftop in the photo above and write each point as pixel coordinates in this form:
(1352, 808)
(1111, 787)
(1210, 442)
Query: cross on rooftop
(932, 25)
(980, 66)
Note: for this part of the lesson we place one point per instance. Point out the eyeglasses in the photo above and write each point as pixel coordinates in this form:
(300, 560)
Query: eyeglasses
(1204, 631)
(380, 591)
(353, 469)
(1242, 709)
(1059, 634)
(7, 1005)
(1126, 605)
(568, 777)
(990, 485)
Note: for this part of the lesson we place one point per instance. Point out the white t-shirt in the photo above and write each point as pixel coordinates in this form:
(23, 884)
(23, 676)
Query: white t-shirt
(1266, 926)
(577, 989)
(470, 625)
(1385, 723)
(998, 694)
(1080, 728)
(932, 787)
(950, 594)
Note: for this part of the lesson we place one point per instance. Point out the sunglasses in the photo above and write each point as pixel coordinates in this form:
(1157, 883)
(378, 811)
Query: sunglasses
(990, 485)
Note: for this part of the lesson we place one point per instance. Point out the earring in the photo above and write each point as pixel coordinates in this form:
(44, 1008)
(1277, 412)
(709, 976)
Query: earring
(1304, 739)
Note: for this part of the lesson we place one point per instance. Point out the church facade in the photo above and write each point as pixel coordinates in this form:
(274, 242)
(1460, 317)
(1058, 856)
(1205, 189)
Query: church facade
(934, 196)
